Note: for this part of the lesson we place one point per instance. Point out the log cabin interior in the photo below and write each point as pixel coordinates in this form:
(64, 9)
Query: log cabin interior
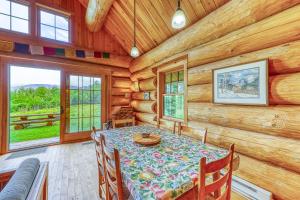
(154, 99)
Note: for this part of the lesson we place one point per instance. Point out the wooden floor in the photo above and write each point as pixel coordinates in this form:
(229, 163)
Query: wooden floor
(31, 143)
(72, 171)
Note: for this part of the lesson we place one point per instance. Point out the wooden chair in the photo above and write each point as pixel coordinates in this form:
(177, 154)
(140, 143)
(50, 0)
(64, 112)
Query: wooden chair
(100, 164)
(178, 129)
(113, 178)
(116, 122)
(219, 181)
(181, 128)
(124, 116)
(203, 134)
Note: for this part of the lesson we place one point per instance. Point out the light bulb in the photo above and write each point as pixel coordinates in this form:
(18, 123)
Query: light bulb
(134, 52)
(179, 19)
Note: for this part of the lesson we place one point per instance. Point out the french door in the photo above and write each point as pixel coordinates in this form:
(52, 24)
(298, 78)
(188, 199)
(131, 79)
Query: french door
(83, 106)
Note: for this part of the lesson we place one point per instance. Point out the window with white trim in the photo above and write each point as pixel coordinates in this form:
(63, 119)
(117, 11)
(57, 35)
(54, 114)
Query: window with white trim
(54, 26)
(14, 16)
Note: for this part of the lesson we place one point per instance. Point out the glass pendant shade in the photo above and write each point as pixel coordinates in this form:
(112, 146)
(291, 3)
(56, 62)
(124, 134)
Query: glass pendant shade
(134, 52)
(179, 19)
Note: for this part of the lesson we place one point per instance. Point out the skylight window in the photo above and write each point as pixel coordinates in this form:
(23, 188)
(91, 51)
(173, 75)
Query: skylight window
(14, 16)
(54, 26)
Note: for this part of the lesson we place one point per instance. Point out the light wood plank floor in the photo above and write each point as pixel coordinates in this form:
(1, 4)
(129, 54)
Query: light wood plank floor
(72, 171)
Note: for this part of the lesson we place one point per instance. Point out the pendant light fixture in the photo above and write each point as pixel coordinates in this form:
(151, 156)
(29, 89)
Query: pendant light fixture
(179, 18)
(134, 50)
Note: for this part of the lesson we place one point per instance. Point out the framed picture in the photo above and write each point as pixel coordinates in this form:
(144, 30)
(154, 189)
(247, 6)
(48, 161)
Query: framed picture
(245, 84)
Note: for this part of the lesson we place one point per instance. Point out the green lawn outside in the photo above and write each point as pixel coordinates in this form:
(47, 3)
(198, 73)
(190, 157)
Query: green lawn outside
(35, 133)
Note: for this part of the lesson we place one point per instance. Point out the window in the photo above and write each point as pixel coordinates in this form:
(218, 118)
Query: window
(54, 26)
(14, 16)
(83, 103)
(173, 96)
(172, 90)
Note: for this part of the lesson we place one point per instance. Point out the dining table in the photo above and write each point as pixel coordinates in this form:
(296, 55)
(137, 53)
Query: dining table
(163, 171)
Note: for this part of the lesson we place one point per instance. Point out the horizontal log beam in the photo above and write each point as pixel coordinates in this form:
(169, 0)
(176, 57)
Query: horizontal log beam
(121, 72)
(146, 117)
(135, 86)
(121, 82)
(285, 89)
(96, 13)
(224, 20)
(141, 95)
(144, 106)
(200, 93)
(274, 120)
(143, 74)
(120, 101)
(120, 91)
(148, 84)
(140, 123)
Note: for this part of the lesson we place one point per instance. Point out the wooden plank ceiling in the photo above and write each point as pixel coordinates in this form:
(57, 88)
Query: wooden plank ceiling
(153, 19)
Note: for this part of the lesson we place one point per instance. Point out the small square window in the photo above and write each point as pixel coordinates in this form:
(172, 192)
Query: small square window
(54, 26)
(19, 25)
(19, 10)
(47, 18)
(47, 32)
(4, 21)
(62, 23)
(62, 35)
(5, 7)
(14, 16)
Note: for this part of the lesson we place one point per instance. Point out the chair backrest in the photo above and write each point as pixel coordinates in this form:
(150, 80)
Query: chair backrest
(179, 127)
(98, 147)
(218, 180)
(116, 122)
(202, 132)
(100, 161)
(112, 172)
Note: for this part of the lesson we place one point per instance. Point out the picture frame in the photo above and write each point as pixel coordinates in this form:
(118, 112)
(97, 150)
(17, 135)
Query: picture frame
(243, 84)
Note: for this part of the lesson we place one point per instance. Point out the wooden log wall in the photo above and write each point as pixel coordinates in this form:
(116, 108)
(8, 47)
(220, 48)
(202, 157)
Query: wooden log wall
(267, 138)
(145, 109)
(121, 91)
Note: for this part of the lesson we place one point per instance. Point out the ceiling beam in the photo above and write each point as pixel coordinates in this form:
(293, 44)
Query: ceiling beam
(96, 13)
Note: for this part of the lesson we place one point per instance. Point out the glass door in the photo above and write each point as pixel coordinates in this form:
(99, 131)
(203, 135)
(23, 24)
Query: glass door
(83, 105)
(34, 106)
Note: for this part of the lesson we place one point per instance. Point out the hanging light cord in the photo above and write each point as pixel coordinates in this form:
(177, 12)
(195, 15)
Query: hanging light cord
(178, 4)
(134, 31)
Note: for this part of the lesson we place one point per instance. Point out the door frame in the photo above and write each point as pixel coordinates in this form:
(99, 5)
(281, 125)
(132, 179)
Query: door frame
(44, 63)
(84, 135)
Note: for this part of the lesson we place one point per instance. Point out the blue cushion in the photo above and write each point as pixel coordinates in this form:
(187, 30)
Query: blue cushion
(19, 185)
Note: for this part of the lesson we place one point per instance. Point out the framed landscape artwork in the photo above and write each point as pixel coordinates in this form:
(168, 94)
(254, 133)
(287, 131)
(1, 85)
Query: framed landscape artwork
(245, 84)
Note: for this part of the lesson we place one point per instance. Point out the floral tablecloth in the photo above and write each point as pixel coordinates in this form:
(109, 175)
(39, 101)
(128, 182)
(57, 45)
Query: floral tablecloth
(164, 171)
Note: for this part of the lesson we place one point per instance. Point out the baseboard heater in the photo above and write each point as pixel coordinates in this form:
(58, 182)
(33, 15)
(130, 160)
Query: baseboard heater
(249, 190)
